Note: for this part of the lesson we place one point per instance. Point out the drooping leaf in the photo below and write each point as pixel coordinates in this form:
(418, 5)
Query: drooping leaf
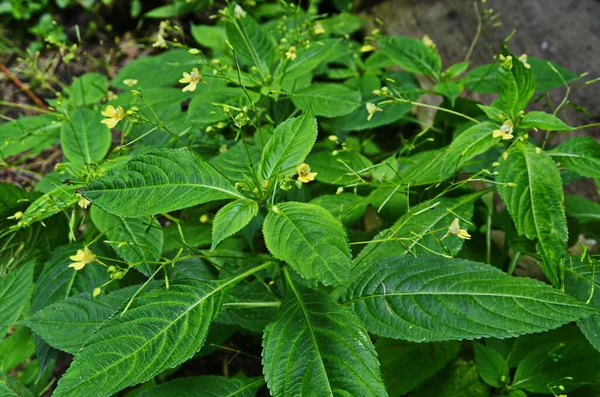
(435, 299)
(15, 290)
(491, 366)
(412, 55)
(159, 181)
(535, 203)
(232, 218)
(581, 155)
(291, 142)
(209, 386)
(162, 329)
(135, 240)
(82, 313)
(327, 99)
(252, 45)
(544, 121)
(317, 347)
(405, 365)
(310, 240)
(419, 231)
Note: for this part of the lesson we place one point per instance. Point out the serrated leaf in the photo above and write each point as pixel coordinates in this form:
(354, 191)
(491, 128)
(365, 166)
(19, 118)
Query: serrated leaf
(317, 347)
(581, 155)
(209, 386)
(252, 45)
(135, 240)
(544, 121)
(327, 99)
(470, 143)
(84, 139)
(563, 358)
(582, 279)
(435, 299)
(535, 203)
(516, 86)
(291, 142)
(491, 366)
(82, 313)
(231, 219)
(405, 365)
(310, 240)
(229, 164)
(15, 290)
(419, 231)
(162, 329)
(412, 55)
(160, 181)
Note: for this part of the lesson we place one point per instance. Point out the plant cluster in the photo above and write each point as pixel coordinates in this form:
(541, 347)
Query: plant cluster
(283, 181)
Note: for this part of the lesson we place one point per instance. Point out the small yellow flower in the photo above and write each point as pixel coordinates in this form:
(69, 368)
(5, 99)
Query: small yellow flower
(83, 202)
(130, 82)
(17, 216)
(291, 53)
(372, 109)
(457, 231)
(114, 115)
(505, 131)
(192, 79)
(82, 258)
(367, 48)
(304, 174)
(318, 28)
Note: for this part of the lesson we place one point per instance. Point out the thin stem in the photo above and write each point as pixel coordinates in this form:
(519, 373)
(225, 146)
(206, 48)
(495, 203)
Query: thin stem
(477, 33)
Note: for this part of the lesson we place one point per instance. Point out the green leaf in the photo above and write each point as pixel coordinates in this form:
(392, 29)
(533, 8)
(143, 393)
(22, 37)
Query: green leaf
(176, 9)
(49, 204)
(491, 366)
(316, 347)
(231, 219)
(346, 207)
(544, 121)
(212, 37)
(163, 70)
(159, 181)
(202, 110)
(412, 55)
(307, 59)
(252, 45)
(419, 231)
(133, 239)
(311, 240)
(456, 70)
(15, 349)
(209, 386)
(516, 86)
(229, 164)
(457, 379)
(449, 89)
(36, 133)
(405, 365)
(493, 113)
(327, 99)
(580, 208)
(162, 329)
(581, 281)
(581, 155)
(87, 89)
(470, 143)
(84, 139)
(435, 299)
(82, 313)
(331, 169)
(563, 358)
(535, 203)
(291, 142)
(15, 290)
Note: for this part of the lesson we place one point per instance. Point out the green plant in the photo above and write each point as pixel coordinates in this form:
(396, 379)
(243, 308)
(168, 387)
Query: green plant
(290, 193)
